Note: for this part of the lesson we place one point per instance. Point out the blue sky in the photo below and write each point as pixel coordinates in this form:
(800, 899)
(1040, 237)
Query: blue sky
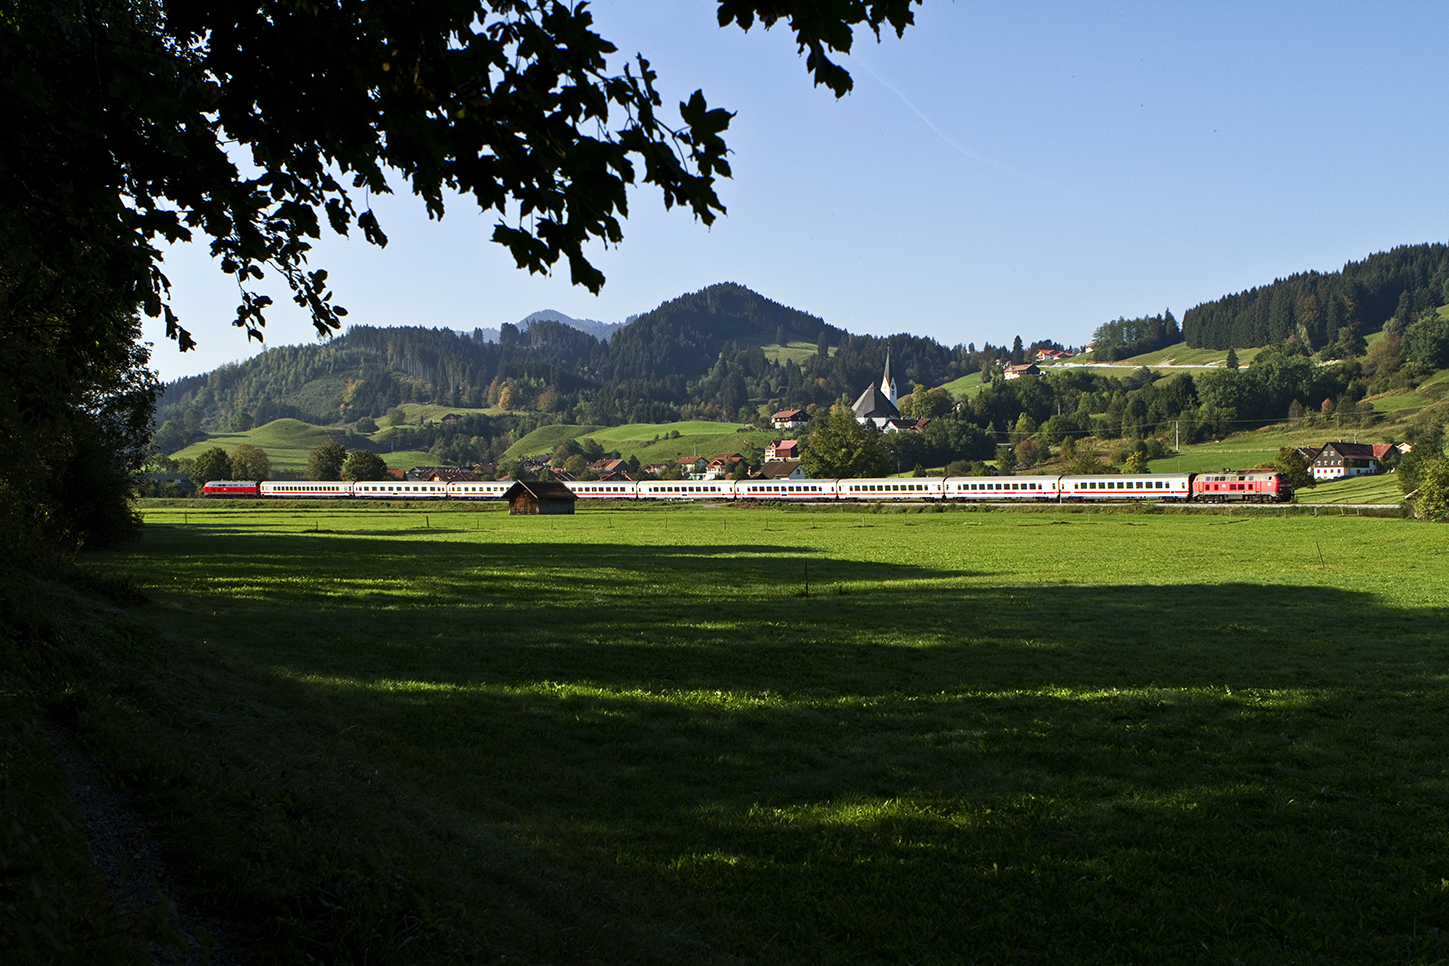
(1031, 169)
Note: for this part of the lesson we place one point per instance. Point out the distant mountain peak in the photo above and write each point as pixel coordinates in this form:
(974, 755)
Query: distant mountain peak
(599, 330)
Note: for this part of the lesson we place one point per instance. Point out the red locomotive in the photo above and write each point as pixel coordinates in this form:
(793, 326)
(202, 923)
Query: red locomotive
(230, 488)
(1260, 485)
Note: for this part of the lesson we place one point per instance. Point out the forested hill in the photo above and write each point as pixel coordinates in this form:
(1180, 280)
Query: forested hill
(1314, 306)
(687, 334)
(696, 356)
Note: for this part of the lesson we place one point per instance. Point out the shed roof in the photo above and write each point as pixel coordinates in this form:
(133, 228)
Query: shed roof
(540, 491)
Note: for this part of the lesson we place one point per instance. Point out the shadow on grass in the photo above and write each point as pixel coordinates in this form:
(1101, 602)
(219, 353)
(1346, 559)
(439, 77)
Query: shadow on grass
(908, 763)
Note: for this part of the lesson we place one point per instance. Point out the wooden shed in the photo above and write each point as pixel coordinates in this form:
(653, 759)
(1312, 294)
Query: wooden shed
(526, 497)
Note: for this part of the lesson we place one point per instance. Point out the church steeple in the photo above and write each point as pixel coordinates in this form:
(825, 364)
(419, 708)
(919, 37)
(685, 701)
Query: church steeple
(887, 384)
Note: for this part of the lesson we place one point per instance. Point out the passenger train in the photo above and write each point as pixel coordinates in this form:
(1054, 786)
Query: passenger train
(1236, 486)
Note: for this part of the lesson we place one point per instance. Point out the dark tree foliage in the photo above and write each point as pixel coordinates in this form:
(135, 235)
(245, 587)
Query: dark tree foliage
(212, 464)
(363, 465)
(1295, 466)
(1426, 341)
(714, 336)
(1129, 337)
(839, 447)
(687, 334)
(325, 462)
(249, 462)
(130, 124)
(1312, 307)
(512, 102)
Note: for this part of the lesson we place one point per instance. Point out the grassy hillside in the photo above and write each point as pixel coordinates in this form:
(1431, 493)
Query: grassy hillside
(1431, 394)
(1361, 489)
(1179, 354)
(965, 386)
(289, 442)
(796, 352)
(639, 439)
(1174, 355)
(431, 412)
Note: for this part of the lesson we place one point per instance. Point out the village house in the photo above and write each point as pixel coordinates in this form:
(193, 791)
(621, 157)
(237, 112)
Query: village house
(1016, 372)
(608, 467)
(782, 449)
(692, 466)
(721, 465)
(789, 419)
(1340, 460)
(780, 470)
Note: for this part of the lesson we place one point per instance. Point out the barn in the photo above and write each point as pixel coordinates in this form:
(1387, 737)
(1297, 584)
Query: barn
(526, 497)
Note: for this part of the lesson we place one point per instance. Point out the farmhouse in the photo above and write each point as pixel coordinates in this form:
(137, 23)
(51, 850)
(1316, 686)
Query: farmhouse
(608, 467)
(722, 465)
(782, 449)
(526, 498)
(1339, 460)
(692, 466)
(1016, 372)
(780, 470)
(789, 419)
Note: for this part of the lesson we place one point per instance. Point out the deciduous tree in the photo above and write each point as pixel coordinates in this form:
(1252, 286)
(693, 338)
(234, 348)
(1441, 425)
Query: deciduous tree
(250, 462)
(1424, 477)
(132, 124)
(212, 464)
(1294, 465)
(840, 447)
(326, 461)
(363, 464)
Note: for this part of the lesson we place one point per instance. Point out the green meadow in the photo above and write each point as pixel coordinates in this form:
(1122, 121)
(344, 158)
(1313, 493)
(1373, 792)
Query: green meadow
(648, 441)
(289, 443)
(728, 735)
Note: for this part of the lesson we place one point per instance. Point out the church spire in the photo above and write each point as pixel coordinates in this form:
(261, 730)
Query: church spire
(887, 384)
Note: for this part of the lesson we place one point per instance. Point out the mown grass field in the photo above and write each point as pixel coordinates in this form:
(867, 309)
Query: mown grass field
(797, 352)
(629, 736)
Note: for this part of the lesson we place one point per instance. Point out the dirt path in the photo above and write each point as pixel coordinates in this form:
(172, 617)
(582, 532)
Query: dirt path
(144, 884)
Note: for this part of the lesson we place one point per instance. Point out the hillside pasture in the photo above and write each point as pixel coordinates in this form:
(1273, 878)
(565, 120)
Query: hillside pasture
(1213, 457)
(1177, 354)
(451, 735)
(796, 352)
(417, 413)
(1381, 488)
(639, 439)
(289, 442)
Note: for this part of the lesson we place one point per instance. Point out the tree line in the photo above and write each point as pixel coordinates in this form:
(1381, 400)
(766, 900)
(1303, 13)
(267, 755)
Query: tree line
(1312, 307)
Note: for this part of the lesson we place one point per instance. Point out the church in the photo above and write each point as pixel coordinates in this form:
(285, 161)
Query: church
(877, 405)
